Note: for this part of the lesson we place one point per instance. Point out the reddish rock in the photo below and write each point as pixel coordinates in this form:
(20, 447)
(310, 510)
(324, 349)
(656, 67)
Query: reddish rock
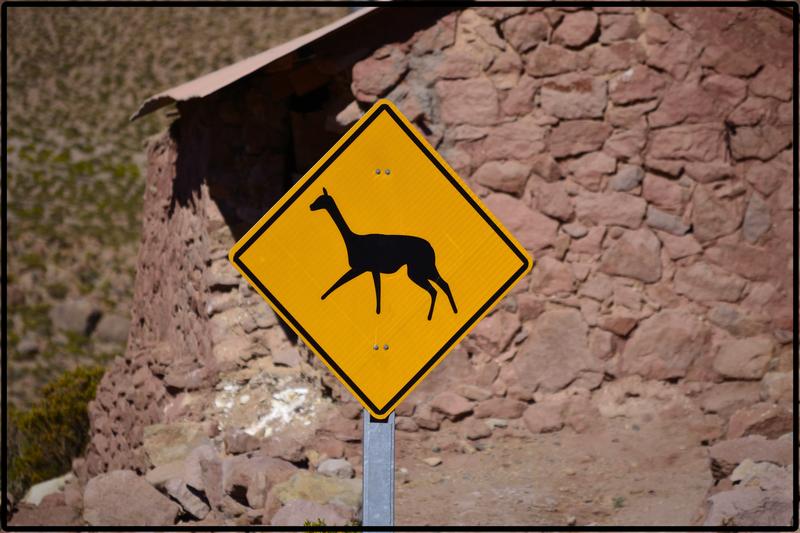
(708, 172)
(714, 217)
(503, 176)
(519, 100)
(529, 306)
(121, 498)
(665, 345)
(729, 396)
(678, 247)
(676, 56)
(427, 418)
(298, 512)
(520, 139)
(437, 37)
(761, 142)
(692, 102)
(406, 423)
(778, 387)
(574, 96)
(525, 31)
(741, 258)
(750, 506)
(616, 27)
(543, 418)
(471, 392)
(494, 333)
(555, 353)
(615, 57)
(735, 320)
(757, 218)
(590, 244)
(626, 143)
(551, 59)
(628, 177)
(534, 230)
(661, 220)
(637, 254)
(774, 82)
(728, 454)
(506, 408)
(576, 29)
(476, 429)
(744, 358)
(552, 200)
(690, 142)
(373, 77)
(761, 419)
(451, 405)
(704, 282)
(290, 449)
(551, 276)
(47, 515)
(636, 84)
(575, 137)
(619, 324)
(472, 101)
(730, 60)
(458, 63)
(618, 209)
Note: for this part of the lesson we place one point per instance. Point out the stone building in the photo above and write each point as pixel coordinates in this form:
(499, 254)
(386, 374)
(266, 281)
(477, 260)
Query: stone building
(642, 155)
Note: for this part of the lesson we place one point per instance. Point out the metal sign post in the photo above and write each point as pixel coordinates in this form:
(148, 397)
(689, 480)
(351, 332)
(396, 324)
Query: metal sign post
(378, 479)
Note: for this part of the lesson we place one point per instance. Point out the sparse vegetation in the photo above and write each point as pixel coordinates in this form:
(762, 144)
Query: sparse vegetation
(619, 502)
(44, 438)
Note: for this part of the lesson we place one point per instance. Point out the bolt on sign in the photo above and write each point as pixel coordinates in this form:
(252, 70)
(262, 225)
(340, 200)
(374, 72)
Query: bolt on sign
(381, 258)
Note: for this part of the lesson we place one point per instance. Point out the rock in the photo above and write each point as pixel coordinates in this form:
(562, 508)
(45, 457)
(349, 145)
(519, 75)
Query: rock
(744, 358)
(75, 316)
(432, 461)
(727, 397)
(189, 501)
(287, 357)
(476, 429)
(543, 418)
(679, 247)
(519, 100)
(253, 477)
(575, 230)
(297, 512)
(546, 168)
(525, 31)
(689, 142)
(762, 418)
(427, 418)
(39, 491)
(238, 441)
(597, 287)
(704, 282)
(741, 258)
(575, 137)
(757, 219)
(709, 172)
(555, 353)
(552, 200)
(761, 142)
(112, 328)
(574, 95)
(728, 454)
(54, 515)
(627, 178)
(405, 423)
(320, 489)
(336, 468)
(750, 506)
(373, 77)
(730, 60)
(637, 84)
(619, 324)
(636, 254)
(774, 82)
(504, 176)
(519, 139)
(472, 101)
(533, 230)
(665, 345)
(714, 217)
(233, 350)
(662, 220)
(165, 443)
(451, 405)
(777, 387)
(735, 320)
(471, 392)
(618, 27)
(494, 333)
(665, 194)
(551, 277)
(610, 209)
(193, 470)
(121, 498)
(551, 59)
(576, 29)
(506, 408)
(159, 475)
(763, 475)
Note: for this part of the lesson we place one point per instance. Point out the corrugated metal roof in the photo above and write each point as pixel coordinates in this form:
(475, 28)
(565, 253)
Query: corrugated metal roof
(214, 81)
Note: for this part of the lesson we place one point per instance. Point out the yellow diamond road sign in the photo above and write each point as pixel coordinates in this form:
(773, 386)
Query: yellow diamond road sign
(381, 258)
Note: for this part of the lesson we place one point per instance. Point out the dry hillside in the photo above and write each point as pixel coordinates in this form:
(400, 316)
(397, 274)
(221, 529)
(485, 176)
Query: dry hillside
(75, 181)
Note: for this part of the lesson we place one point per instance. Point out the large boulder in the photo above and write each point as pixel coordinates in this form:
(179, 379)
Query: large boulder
(665, 345)
(556, 352)
(121, 498)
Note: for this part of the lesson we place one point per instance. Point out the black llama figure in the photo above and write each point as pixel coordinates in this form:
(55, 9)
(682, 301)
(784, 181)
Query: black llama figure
(385, 254)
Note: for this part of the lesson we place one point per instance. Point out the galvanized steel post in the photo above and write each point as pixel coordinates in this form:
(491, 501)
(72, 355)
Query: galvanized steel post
(378, 503)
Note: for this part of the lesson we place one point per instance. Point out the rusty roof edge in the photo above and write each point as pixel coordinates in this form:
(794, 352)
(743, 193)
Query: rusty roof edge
(216, 80)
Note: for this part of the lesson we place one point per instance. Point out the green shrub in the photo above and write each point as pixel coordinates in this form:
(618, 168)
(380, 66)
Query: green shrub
(44, 439)
(321, 522)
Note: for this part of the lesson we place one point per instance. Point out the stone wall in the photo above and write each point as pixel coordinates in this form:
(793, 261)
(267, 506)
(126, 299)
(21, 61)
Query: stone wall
(643, 156)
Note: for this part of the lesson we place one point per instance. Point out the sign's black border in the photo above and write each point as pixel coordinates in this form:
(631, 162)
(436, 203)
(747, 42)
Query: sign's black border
(790, 6)
(385, 409)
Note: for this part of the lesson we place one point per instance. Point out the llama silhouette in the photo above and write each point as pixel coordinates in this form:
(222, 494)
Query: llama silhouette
(384, 254)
